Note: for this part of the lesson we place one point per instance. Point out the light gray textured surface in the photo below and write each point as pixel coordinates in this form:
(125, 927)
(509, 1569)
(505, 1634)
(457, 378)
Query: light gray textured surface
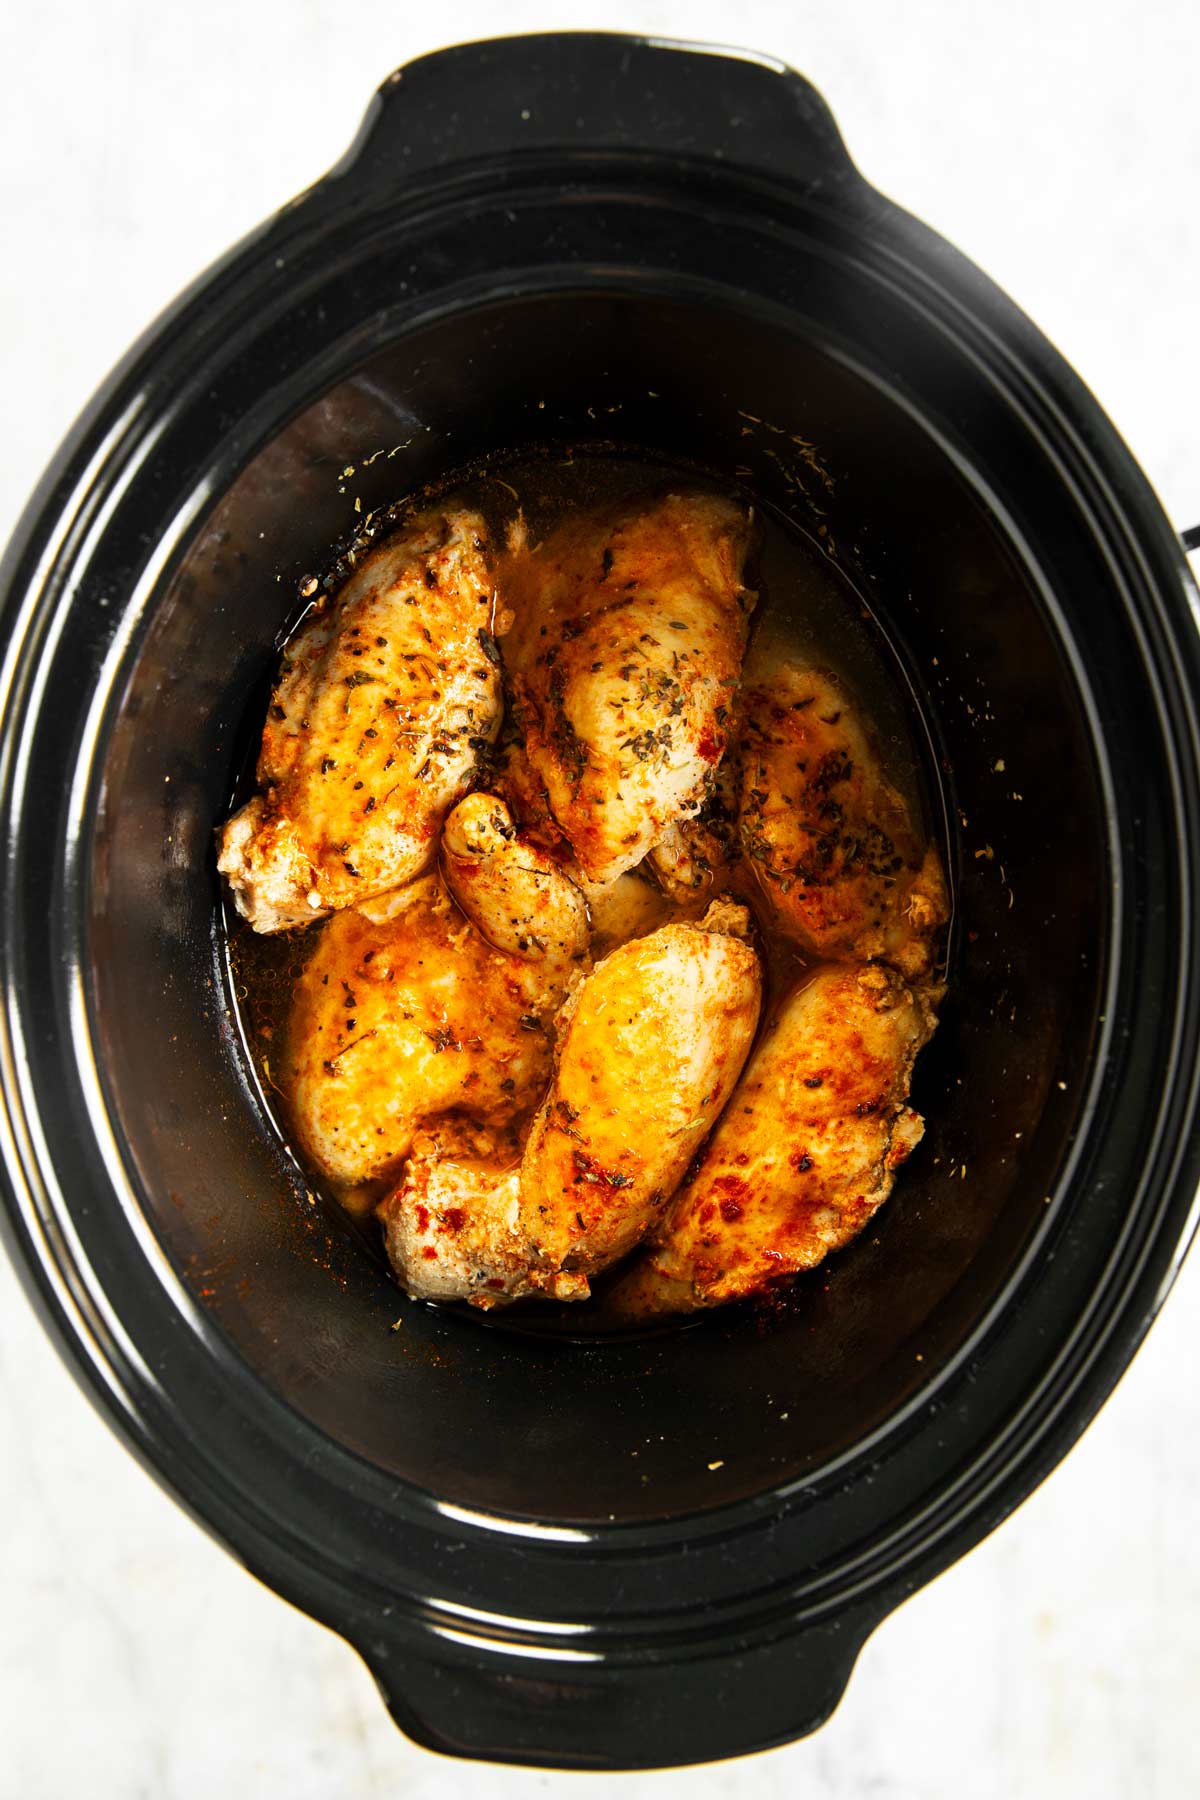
(1060, 146)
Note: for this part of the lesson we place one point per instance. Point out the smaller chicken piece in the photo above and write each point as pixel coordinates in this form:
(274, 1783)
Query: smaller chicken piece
(806, 1151)
(629, 628)
(452, 1227)
(385, 698)
(832, 843)
(515, 894)
(452, 1233)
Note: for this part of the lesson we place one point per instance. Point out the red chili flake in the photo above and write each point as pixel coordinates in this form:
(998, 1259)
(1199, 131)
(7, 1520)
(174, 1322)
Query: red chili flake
(429, 1253)
(453, 1218)
(709, 745)
(422, 1218)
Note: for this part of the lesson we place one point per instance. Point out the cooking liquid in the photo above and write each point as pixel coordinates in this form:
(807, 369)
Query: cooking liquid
(804, 600)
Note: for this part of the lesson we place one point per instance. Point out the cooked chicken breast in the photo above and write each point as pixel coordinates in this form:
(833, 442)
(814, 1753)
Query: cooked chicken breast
(804, 1154)
(834, 846)
(649, 1049)
(650, 1046)
(514, 893)
(622, 661)
(403, 1014)
(385, 696)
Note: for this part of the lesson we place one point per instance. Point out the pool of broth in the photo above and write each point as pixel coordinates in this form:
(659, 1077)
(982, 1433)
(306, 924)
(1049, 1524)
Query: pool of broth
(804, 600)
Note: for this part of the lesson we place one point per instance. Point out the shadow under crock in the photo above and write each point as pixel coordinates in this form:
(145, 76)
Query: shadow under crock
(482, 1414)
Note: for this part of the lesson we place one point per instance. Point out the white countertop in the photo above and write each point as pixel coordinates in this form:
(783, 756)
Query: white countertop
(1059, 145)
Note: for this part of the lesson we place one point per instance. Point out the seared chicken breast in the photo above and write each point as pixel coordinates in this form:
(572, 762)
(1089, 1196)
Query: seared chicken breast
(385, 697)
(806, 1151)
(403, 1014)
(650, 1045)
(626, 648)
(649, 1049)
(836, 851)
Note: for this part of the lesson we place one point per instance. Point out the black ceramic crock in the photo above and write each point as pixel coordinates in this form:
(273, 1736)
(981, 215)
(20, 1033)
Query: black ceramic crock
(561, 1550)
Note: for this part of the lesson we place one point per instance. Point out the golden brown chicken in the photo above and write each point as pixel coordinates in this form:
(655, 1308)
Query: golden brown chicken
(622, 661)
(405, 1013)
(804, 1154)
(648, 1052)
(386, 696)
(833, 844)
(649, 1048)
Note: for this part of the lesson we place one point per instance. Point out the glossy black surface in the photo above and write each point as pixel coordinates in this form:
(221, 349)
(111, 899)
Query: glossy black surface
(524, 1538)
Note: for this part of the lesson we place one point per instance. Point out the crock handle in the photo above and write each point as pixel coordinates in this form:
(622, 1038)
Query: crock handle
(572, 1707)
(598, 92)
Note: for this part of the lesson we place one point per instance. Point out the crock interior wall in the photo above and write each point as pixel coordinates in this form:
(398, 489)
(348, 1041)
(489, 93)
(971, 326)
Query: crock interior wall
(481, 1414)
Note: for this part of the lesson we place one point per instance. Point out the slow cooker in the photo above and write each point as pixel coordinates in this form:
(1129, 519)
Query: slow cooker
(562, 1548)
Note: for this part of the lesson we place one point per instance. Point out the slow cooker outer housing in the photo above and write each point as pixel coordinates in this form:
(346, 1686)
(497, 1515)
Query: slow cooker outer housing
(529, 1607)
